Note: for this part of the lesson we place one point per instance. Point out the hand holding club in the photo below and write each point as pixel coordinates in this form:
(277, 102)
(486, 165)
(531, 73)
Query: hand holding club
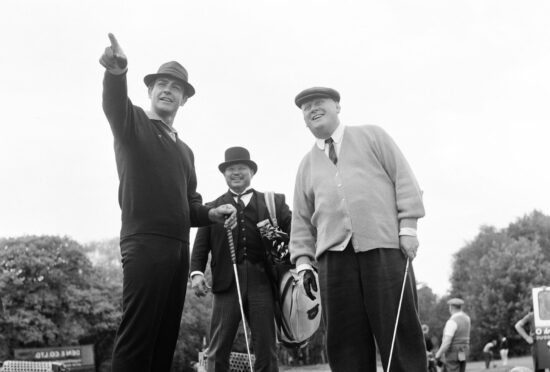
(198, 283)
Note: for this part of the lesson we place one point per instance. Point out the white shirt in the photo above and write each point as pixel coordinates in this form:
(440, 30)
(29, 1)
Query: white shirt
(245, 198)
(336, 136)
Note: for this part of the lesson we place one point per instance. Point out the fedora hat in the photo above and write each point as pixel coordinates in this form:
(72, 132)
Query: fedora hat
(316, 92)
(234, 155)
(173, 70)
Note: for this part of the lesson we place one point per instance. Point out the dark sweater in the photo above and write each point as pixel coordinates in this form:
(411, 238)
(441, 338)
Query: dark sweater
(157, 191)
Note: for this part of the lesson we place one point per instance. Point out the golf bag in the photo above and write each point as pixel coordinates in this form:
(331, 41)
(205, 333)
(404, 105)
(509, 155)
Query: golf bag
(297, 317)
(300, 315)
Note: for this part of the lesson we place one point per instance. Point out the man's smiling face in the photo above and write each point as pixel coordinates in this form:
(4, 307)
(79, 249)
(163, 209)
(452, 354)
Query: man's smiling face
(321, 116)
(167, 95)
(238, 177)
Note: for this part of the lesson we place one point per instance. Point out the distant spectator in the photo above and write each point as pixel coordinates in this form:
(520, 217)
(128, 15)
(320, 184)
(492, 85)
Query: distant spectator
(488, 352)
(504, 350)
(455, 345)
(529, 321)
(427, 337)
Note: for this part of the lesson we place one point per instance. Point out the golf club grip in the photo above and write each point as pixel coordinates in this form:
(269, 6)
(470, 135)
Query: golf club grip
(231, 245)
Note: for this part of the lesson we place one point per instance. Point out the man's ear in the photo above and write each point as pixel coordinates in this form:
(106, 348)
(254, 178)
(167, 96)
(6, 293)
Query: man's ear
(337, 107)
(150, 90)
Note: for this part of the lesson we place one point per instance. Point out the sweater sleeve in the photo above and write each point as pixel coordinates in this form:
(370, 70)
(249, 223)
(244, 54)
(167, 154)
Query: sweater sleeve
(408, 195)
(201, 249)
(116, 105)
(303, 235)
(285, 216)
(198, 211)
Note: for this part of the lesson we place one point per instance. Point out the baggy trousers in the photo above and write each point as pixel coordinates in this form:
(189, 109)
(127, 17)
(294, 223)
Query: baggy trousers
(155, 270)
(360, 296)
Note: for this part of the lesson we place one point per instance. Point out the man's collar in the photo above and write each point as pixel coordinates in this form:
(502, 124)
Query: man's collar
(336, 136)
(153, 116)
(246, 191)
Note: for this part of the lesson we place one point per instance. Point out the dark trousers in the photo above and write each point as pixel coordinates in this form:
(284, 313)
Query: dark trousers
(487, 357)
(155, 270)
(535, 364)
(258, 305)
(360, 296)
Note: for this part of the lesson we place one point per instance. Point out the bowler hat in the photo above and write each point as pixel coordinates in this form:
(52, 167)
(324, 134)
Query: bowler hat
(316, 92)
(455, 302)
(173, 70)
(234, 155)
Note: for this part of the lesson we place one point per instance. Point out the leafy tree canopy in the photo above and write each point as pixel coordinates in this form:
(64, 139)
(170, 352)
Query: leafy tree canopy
(51, 293)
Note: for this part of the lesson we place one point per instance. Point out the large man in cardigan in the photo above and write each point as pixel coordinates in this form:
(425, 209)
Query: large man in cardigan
(356, 206)
(251, 249)
(159, 202)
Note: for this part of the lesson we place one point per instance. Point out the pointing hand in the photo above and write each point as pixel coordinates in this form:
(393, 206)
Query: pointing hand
(113, 58)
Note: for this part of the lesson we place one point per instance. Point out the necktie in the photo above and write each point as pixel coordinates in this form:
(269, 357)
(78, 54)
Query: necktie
(331, 150)
(240, 202)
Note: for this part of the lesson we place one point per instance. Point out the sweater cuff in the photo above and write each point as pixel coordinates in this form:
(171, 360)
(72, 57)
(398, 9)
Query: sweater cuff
(117, 71)
(408, 223)
(303, 267)
(303, 260)
(193, 273)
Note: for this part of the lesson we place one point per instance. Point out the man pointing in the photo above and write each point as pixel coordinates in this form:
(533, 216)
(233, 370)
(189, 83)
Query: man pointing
(159, 203)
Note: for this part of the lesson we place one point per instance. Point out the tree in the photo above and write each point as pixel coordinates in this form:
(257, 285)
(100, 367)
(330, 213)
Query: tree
(495, 273)
(52, 294)
(432, 313)
(105, 257)
(534, 227)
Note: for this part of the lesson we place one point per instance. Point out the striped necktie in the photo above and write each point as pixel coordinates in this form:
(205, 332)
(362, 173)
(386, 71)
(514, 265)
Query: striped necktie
(331, 150)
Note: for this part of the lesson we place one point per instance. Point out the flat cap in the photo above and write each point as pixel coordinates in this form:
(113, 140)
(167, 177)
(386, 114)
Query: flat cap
(455, 301)
(316, 92)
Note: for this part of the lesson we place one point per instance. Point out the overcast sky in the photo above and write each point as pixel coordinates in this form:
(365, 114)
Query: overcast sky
(462, 86)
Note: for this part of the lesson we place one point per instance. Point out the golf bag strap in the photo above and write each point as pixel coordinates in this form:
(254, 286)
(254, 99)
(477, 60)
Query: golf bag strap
(270, 203)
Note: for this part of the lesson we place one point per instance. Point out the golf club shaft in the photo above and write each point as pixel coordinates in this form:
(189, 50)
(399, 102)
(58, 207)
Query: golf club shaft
(234, 261)
(398, 312)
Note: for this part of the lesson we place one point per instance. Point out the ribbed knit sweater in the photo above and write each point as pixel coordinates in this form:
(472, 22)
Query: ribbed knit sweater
(366, 197)
(157, 191)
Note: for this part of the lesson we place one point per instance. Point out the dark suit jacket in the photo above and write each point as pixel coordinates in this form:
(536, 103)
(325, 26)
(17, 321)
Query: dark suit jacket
(213, 239)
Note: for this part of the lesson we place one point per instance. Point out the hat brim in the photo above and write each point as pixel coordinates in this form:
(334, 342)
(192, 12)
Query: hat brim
(299, 102)
(150, 79)
(250, 163)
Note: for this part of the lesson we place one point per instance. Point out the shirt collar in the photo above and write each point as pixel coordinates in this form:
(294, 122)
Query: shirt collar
(153, 116)
(248, 190)
(337, 136)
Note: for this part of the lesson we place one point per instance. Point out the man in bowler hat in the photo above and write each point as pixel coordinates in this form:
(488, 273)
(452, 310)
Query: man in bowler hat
(159, 203)
(356, 206)
(256, 287)
(455, 345)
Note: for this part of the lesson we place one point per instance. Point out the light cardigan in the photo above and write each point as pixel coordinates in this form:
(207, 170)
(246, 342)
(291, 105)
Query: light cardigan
(367, 197)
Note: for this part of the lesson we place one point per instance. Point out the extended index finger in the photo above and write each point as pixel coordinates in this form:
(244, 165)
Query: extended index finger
(114, 43)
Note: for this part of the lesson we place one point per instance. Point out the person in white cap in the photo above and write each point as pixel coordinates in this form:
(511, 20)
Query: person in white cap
(356, 206)
(159, 203)
(455, 345)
